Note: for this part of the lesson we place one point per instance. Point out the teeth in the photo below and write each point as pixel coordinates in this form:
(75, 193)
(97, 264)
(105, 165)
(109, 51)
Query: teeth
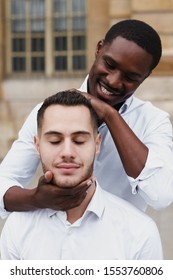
(105, 91)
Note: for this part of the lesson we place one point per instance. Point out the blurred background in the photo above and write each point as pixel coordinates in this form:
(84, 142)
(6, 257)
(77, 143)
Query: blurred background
(49, 45)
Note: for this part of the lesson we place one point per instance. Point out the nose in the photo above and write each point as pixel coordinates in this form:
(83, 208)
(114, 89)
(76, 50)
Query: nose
(67, 150)
(115, 80)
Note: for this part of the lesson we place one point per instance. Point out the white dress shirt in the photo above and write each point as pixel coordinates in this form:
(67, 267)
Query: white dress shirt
(110, 228)
(154, 185)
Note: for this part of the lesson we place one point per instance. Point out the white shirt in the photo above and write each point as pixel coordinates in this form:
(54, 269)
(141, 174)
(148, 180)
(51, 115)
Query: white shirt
(110, 228)
(154, 185)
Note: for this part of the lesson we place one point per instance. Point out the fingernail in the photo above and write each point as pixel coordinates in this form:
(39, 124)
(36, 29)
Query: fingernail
(89, 183)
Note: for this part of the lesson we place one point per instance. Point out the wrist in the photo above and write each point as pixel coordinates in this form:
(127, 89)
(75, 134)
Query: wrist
(18, 199)
(110, 113)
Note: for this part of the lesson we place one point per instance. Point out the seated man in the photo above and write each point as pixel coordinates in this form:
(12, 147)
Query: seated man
(103, 226)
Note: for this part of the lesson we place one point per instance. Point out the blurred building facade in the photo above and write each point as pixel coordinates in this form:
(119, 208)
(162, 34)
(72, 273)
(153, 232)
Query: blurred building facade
(48, 45)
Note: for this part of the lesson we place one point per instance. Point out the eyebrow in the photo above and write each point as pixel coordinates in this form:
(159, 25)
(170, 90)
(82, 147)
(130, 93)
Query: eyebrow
(134, 74)
(53, 132)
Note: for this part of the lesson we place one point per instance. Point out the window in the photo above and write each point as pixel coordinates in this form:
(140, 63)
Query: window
(18, 64)
(42, 32)
(27, 33)
(69, 32)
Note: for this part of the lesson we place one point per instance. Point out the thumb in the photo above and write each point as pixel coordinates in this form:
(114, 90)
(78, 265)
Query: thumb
(48, 176)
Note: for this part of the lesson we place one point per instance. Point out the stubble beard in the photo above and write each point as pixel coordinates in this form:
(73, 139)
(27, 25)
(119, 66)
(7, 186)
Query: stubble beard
(68, 181)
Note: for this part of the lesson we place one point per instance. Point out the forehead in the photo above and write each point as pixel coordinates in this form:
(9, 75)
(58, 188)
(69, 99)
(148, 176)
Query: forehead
(128, 53)
(124, 45)
(66, 118)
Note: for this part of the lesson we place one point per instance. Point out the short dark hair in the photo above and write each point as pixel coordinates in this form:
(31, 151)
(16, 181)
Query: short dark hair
(140, 33)
(67, 98)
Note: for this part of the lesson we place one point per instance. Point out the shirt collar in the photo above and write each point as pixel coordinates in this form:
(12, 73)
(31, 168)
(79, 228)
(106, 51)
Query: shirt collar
(96, 204)
(126, 105)
(84, 86)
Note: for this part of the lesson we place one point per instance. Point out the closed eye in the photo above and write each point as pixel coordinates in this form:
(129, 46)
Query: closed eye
(130, 79)
(79, 142)
(54, 142)
(109, 64)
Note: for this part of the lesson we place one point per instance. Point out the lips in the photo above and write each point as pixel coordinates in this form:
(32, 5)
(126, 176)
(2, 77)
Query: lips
(67, 168)
(109, 93)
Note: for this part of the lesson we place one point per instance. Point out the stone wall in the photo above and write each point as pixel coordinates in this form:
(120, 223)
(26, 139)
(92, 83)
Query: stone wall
(158, 14)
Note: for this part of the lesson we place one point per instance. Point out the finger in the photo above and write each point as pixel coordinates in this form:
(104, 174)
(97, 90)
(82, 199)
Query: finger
(87, 96)
(48, 176)
(76, 202)
(72, 191)
(73, 89)
(81, 188)
(72, 203)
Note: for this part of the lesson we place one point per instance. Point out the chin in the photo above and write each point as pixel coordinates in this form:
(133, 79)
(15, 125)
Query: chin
(66, 183)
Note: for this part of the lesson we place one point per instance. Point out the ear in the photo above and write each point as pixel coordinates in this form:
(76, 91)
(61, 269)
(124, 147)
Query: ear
(98, 143)
(99, 46)
(36, 144)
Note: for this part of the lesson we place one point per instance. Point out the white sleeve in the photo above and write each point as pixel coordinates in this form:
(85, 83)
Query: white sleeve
(155, 182)
(21, 162)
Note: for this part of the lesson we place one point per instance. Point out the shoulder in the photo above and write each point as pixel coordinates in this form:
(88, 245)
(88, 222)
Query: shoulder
(29, 128)
(21, 220)
(147, 106)
(35, 110)
(148, 117)
(124, 210)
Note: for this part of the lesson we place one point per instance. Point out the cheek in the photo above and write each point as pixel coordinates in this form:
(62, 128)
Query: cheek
(97, 67)
(132, 88)
(47, 155)
(89, 155)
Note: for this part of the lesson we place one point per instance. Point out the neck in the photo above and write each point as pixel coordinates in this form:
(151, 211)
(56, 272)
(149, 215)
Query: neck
(76, 213)
(118, 106)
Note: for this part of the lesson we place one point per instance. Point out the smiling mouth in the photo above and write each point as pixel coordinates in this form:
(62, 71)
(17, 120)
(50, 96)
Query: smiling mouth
(109, 93)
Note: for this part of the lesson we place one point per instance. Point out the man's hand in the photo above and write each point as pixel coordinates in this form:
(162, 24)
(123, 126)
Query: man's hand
(49, 195)
(102, 108)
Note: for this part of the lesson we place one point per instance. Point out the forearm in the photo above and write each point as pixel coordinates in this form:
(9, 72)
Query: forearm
(132, 151)
(19, 199)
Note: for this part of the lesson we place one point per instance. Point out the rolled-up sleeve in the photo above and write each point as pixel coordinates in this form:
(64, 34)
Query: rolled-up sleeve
(155, 182)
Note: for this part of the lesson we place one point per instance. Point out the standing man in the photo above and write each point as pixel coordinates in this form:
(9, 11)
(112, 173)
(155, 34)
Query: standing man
(67, 147)
(136, 158)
